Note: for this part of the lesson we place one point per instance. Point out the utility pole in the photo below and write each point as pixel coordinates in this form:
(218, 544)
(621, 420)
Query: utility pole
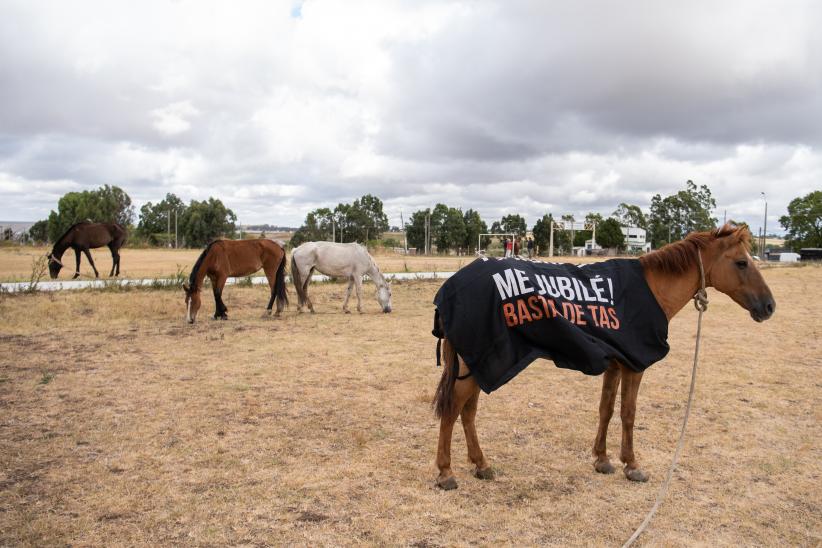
(168, 228)
(333, 230)
(404, 232)
(551, 240)
(764, 226)
(175, 229)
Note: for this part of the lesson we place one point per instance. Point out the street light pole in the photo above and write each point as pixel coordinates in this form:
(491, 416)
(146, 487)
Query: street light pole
(764, 225)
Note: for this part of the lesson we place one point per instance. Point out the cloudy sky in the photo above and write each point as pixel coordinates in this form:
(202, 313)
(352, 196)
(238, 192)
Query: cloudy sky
(505, 107)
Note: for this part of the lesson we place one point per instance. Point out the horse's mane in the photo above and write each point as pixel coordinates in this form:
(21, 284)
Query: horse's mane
(677, 257)
(192, 279)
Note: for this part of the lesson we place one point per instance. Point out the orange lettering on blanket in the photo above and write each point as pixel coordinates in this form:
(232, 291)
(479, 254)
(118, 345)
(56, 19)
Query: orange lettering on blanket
(579, 315)
(533, 302)
(510, 315)
(614, 319)
(523, 312)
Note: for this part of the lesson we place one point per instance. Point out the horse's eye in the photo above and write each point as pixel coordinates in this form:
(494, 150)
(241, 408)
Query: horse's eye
(742, 265)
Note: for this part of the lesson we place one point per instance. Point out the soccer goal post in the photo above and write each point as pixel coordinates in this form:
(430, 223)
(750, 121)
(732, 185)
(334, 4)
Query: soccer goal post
(495, 244)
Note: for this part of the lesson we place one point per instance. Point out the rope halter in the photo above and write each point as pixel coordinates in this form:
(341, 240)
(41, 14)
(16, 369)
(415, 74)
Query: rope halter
(701, 296)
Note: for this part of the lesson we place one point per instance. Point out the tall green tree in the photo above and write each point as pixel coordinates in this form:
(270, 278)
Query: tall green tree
(155, 219)
(39, 231)
(510, 224)
(372, 221)
(474, 226)
(204, 221)
(542, 233)
(452, 232)
(107, 204)
(415, 229)
(804, 221)
(316, 228)
(630, 215)
(609, 234)
(673, 217)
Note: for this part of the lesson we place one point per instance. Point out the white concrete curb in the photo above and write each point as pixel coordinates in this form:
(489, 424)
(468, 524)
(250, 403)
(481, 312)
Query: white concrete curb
(68, 285)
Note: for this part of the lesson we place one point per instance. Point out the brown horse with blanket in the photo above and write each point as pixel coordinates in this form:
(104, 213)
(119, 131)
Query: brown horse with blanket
(611, 318)
(224, 258)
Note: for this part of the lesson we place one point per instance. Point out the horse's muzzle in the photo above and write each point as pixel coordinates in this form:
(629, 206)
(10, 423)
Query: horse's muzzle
(387, 309)
(763, 309)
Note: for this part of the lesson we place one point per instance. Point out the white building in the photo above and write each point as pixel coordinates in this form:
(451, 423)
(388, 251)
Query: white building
(635, 239)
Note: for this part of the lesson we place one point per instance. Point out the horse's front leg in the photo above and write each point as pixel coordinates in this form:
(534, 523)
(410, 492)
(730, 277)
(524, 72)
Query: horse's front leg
(610, 384)
(358, 287)
(77, 268)
(91, 261)
(630, 388)
(348, 295)
(217, 285)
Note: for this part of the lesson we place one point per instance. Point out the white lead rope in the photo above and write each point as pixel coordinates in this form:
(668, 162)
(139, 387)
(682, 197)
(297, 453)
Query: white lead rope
(701, 304)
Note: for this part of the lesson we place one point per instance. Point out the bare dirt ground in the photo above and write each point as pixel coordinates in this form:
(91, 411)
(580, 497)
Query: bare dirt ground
(16, 262)
(122, 425)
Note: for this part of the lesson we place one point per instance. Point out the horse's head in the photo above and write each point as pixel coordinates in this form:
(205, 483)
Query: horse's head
(54, 266)
(384, 297)
(193, 302)
(735, 273)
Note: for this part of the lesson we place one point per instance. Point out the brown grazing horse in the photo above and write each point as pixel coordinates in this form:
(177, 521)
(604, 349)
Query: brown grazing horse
(673, 276)
(224, 258)
(86, 235)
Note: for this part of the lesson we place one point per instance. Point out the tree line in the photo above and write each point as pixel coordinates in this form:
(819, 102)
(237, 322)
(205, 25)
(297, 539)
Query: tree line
(447, 228)
(197, 222)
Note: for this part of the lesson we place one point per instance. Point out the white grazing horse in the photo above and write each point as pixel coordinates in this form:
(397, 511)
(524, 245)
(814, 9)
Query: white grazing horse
(337, 260)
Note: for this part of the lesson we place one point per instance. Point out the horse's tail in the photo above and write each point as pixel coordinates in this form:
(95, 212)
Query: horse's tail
(279, 283)
(298, 282)
(444, 396)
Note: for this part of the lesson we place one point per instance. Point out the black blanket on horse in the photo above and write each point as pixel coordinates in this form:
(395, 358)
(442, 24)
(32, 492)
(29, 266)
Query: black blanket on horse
(502, 314)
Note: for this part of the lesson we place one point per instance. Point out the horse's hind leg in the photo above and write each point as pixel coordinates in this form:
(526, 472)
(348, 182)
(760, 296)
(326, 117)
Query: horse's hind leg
(630, 388)
(307, 281)
(115, 261)
(348, 295)
(462, 392)
(610, 383)
(91, 261)
(483, 470)
(77, 269)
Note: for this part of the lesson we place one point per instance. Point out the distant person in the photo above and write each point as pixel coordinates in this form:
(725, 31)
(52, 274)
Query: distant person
(530, 248)
(517, 247)
(506, 243)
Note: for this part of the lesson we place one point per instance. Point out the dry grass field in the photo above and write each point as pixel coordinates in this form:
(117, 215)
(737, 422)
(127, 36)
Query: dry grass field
(122, 425)
(16, 262)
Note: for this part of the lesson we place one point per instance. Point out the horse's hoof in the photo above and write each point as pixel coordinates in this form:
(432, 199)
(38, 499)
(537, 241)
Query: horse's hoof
(635, 474)
(447, 484)
(485, 474)
(604, 467)
(347, 311)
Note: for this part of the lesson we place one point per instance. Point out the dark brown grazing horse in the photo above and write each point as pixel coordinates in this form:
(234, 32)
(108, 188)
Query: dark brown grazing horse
(673, 276)
(86, 235)
(224, 258)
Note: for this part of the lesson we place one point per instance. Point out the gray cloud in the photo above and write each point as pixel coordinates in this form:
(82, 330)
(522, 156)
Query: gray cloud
(503, 107)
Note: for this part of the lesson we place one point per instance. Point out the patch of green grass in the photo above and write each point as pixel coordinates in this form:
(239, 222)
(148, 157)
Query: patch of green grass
(47, 377)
